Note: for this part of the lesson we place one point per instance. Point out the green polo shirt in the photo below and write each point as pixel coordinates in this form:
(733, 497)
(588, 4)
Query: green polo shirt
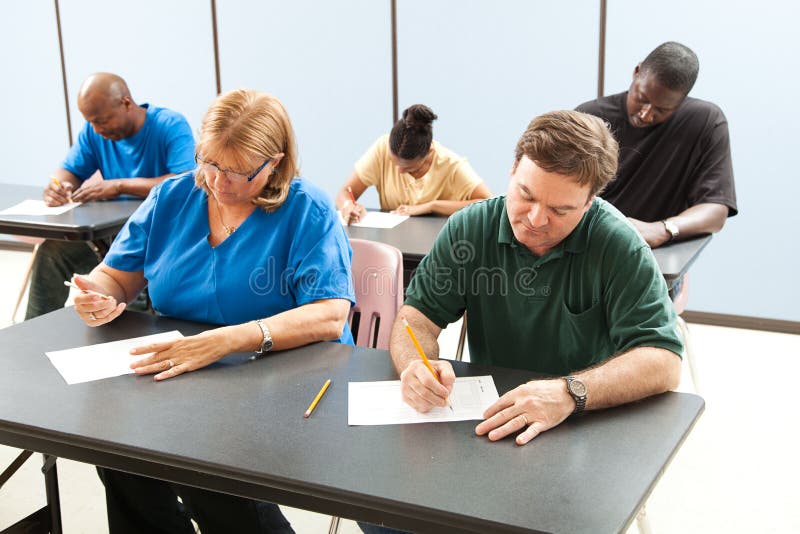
(597, 294)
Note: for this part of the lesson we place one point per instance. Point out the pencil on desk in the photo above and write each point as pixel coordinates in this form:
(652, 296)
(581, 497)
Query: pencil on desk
(317, 398)
(422, 355)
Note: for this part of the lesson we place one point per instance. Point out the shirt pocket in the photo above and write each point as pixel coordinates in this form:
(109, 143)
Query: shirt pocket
(583, 337)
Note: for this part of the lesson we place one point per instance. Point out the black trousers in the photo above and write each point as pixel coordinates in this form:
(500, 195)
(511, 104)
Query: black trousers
(138, 504)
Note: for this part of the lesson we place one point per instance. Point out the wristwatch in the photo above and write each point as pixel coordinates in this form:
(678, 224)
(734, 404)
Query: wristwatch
(577, 389)
(266, 343)
(671, 228)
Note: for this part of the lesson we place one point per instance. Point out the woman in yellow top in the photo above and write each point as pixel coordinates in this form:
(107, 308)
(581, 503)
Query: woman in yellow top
(414, 174)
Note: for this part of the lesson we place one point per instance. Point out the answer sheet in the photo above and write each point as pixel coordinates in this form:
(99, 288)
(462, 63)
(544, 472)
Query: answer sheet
(104, 360)
(379, 403)
(38, 207)
(378, 219)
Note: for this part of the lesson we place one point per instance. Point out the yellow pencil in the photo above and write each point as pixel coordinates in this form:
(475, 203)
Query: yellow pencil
(422, 355)
(317, 398)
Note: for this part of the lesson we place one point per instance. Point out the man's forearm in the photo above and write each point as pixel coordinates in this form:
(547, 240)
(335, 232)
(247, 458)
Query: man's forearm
(701, 219)
(139, 187)
(402, 348)
(634, 375)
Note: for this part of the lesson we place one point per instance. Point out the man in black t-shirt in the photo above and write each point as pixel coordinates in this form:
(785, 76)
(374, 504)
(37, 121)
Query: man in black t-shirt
(675, 176)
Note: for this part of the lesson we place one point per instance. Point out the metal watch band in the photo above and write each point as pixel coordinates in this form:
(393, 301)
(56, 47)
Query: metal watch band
(266, 342)
(580, 400)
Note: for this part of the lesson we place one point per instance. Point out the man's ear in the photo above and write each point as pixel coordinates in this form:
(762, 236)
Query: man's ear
(636, 70)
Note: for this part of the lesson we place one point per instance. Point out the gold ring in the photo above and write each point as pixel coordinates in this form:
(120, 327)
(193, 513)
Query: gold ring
(92, 316)
(524, 419)
(170, 364)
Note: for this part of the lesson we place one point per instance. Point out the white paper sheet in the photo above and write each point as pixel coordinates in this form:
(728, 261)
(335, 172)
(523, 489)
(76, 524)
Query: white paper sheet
(378, 219)
(104, 360)
(379, 403)
(38, 207)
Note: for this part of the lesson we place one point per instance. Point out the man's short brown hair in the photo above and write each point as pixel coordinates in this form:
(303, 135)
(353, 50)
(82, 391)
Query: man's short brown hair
(573, 144)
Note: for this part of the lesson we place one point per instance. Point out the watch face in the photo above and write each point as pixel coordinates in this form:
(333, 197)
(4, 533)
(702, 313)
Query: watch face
(576, 387)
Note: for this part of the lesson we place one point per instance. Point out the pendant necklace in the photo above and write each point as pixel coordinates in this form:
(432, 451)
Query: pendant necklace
(228, 229)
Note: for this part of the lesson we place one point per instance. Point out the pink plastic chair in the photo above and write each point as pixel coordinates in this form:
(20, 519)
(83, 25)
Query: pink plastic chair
(378, 282)
(680, 306)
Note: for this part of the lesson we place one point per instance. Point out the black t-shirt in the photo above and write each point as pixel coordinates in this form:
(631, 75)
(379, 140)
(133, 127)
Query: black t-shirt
(667, 168)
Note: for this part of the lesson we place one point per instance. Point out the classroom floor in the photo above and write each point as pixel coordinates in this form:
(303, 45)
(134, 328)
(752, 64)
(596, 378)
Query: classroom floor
(736, 473)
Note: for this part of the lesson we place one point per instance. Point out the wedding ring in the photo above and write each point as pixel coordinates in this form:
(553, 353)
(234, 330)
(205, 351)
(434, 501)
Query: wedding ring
(524, 419)
(92, 316)
(170, 364)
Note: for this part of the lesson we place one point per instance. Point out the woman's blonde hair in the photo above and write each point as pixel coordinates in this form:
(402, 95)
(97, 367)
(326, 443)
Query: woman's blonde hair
(248, 124)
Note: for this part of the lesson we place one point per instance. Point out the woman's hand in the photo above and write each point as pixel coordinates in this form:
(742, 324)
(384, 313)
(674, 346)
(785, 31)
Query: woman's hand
(173, 358)
(418, 209)
(352, 212)
(94, 307)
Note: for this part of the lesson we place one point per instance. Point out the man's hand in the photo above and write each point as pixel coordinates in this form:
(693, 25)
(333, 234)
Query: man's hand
(421, 390)
(418, 209)
(352, 212)
(533, 408)
(97, 190)
(57, 194)
(654, 233)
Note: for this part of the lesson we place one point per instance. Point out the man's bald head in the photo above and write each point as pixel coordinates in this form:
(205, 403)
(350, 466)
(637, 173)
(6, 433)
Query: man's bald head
(105, 101)
(103, 86)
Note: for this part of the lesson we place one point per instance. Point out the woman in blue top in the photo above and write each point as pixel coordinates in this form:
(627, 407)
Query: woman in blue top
(241, 243)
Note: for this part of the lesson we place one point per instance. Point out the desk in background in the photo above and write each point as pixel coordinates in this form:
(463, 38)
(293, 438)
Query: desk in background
(90, 222)
(587, 475)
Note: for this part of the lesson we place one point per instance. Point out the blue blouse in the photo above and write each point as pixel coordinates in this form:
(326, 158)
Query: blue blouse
(273, 262)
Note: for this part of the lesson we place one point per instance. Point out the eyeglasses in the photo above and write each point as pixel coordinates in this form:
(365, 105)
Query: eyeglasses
(232, 176)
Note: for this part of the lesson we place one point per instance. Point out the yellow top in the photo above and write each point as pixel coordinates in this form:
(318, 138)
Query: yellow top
(450, 177)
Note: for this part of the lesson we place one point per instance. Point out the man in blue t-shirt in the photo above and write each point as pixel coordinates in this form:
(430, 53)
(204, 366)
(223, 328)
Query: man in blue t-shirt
(123, 149)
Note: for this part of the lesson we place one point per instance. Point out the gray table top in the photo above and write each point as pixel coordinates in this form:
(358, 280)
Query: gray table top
(237, 426)
(87, 222)
(414, 236)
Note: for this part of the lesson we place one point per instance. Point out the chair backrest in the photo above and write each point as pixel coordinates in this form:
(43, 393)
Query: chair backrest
(683, 295)
(378, 282)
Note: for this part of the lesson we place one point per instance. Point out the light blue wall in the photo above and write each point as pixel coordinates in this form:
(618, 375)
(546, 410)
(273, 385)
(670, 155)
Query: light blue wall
(486, 68)
(748, 66)
(163, 50)
(328, 62)
(33, 125)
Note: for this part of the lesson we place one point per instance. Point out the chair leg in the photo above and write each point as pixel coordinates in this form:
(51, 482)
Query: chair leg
(689, 353)
(643, 522)
(334, 526)
(25, 281)
(461, 338)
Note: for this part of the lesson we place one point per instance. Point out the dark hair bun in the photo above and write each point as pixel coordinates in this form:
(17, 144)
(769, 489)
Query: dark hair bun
(419, 116)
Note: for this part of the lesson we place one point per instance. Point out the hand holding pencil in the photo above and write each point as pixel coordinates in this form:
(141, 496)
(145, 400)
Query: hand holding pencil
(351, 210)
(425, 383)
(57, 193)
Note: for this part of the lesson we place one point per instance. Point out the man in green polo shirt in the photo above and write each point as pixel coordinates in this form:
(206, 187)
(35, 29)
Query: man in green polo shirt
(554, 280)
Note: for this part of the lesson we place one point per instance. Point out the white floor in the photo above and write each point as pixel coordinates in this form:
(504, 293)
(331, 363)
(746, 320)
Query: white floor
(737, 472)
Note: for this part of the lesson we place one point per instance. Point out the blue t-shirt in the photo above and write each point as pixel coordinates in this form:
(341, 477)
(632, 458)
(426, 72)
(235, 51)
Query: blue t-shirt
(163, 145)
(272, 263)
